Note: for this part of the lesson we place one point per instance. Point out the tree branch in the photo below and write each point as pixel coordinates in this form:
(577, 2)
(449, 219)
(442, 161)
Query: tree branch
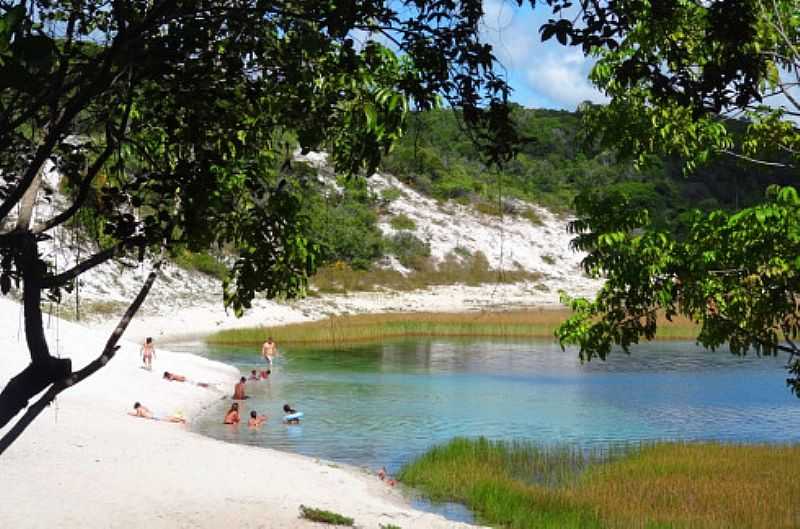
(97, 259)
(755, 160)
(86, 183)
(107, 354)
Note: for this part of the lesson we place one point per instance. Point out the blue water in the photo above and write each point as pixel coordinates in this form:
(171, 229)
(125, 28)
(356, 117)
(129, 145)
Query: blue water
(382, 405)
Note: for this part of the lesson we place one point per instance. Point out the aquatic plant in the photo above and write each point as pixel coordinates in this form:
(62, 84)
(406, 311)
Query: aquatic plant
(663, 485)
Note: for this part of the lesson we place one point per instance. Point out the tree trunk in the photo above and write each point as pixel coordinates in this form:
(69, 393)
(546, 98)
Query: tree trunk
(43, 369)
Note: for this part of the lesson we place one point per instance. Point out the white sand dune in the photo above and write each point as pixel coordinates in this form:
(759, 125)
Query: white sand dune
(85, 463)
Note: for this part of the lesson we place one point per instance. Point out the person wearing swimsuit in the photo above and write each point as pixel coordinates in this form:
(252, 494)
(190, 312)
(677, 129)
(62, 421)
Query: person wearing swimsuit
(148, 353)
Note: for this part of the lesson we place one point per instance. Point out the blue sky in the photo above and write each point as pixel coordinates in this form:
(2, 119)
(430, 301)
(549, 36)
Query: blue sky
(543, 74)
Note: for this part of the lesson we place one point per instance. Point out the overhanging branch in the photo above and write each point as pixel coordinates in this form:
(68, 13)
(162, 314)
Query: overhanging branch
(68, 275)
(106, 355)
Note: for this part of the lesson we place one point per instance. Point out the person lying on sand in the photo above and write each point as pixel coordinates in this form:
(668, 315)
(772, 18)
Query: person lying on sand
(174, 377)
(232, 417)
(384, 476)
(238, 389)
(256, 420)
(139, 410)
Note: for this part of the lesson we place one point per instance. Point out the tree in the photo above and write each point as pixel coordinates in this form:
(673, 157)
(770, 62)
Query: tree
(697, 80)
(173, 124)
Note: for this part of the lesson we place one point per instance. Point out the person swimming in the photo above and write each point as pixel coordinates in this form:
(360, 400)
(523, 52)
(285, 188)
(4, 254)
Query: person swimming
(292, 415)
(232, 417)
(256, 420)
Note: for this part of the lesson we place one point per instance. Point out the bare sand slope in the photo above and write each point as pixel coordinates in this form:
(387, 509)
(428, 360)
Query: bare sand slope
(86, 464)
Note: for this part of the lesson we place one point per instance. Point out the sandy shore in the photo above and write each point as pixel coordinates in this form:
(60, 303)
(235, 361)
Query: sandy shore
(85, 463)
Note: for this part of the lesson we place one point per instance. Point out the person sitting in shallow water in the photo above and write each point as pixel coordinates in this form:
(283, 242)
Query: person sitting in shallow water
(256, 420)
(139, 410)
(232, 417)
(253, 375)
(238, 390)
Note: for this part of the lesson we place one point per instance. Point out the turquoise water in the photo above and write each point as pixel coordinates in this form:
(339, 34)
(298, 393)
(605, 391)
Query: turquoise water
(382, 405)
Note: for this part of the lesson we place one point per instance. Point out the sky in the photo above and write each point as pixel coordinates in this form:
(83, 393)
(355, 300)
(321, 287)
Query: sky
(542, 74)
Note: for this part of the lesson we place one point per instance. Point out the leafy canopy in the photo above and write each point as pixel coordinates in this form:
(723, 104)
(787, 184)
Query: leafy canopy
(175, 123)
(696, 80)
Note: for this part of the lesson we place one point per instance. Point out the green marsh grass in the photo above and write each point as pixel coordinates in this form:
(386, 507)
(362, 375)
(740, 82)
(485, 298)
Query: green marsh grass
(652, 486)
(534, 323)
(323, 516)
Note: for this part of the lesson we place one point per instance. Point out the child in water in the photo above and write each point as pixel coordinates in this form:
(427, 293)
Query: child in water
(292, 415)
(256, 420)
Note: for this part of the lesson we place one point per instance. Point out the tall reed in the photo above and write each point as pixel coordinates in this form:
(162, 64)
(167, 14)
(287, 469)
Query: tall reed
(530, 323)
(660, 485)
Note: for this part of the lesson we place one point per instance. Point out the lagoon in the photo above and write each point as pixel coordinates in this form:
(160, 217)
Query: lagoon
(384, 404)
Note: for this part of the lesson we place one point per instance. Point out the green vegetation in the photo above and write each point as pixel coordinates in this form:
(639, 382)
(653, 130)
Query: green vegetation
(320, 515)
(202, 262)
(557, 164)
(381, 327)
(410, 250)
(159, 118)
(732, 267)
(456, 268)
(402, 222)
(664, 485)
(344, 226)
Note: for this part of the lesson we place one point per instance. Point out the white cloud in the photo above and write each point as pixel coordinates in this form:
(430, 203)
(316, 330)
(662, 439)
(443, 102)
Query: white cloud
(562, 76)
(554, 74)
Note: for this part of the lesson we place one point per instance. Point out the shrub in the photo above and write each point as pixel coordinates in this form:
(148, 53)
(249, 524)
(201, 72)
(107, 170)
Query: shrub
(345, 226)
(201, 262)
(489, 208)
(549, 259)
(532, 216)
(390, 194)
(402, 222)
(409, 249)
(320, 515)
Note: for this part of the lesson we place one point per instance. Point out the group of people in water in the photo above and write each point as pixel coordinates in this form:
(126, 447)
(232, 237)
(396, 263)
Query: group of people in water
(269, 350)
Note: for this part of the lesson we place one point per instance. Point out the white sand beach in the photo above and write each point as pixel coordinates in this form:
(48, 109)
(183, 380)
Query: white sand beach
(85, 463)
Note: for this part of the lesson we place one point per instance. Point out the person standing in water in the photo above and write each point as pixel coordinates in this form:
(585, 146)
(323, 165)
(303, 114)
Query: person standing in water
(148, 353)
(269, 350)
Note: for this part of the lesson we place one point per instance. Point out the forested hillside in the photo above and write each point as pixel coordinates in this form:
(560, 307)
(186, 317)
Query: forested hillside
(557, 161)
(366, 240)
(355, 225)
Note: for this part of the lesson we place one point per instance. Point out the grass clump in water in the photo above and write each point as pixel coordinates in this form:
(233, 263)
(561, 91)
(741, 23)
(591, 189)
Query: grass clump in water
(323, 516)
(534, 323)
(662, 485)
